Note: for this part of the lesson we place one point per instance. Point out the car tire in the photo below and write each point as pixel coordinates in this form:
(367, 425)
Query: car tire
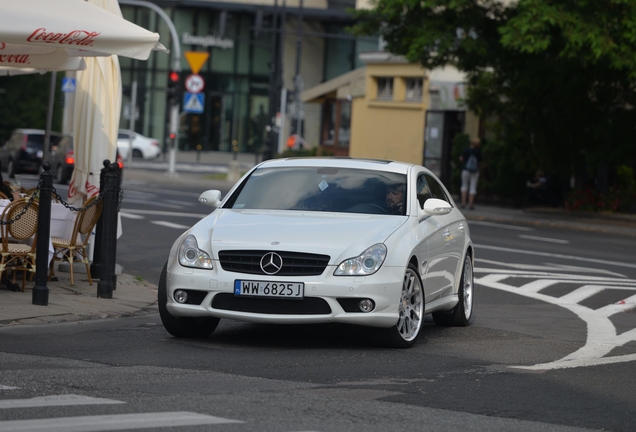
(405, 332)
(462, 314)
(182, 327)
(137, 153)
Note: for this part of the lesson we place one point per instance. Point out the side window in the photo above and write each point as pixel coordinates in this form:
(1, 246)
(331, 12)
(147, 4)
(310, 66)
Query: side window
(436, 189)
(423, 191)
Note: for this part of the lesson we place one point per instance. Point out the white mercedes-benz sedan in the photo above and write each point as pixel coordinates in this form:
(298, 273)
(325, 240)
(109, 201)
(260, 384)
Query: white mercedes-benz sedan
(317, 240)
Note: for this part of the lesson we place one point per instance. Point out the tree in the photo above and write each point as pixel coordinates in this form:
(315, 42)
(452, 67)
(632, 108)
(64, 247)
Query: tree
(558, 75)
(24, 101)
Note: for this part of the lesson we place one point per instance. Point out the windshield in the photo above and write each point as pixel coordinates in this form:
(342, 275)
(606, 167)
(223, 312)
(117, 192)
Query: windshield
(322, 189)
(36, 141)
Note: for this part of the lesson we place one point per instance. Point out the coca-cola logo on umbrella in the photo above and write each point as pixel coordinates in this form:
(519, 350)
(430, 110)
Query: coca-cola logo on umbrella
(14, 58)
(74, 37)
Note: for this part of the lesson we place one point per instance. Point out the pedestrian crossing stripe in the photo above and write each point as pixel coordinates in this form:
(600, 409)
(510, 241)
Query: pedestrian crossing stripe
(68, 85)
(193, 103)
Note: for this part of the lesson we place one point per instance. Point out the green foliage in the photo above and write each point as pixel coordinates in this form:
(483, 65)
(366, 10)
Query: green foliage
(558, 75)
(621, 196)
(24, 101)
(505, 170)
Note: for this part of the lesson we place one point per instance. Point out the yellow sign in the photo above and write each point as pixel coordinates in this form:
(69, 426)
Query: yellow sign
(196, 60)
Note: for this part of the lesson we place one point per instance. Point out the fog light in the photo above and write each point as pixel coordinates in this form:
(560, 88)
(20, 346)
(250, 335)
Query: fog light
(366, 305)
(181, 296)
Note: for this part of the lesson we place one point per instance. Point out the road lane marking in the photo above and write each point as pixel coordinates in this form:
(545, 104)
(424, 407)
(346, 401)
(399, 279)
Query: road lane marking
(499, 274)
(157, 203)
(163, 191)
(498, 225)
(4, 387)
(582, 293)
(170, 225)
(549, 267)
(617, 307)
(55, 400)
(166, 213)
(182, 203)
(113, 422)
(544, 239)
(570, 257)
(602, 335)
(130, 215)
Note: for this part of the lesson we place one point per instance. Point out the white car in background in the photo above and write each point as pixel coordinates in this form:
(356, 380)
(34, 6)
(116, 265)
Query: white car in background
(319, 240)
(142, 146)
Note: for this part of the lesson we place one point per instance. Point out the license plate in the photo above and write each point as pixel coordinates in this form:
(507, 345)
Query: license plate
(250, 288)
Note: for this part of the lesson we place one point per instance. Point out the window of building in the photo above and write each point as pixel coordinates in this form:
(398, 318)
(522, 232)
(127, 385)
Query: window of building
(339, 52)
(336, 127)
(344, 126)
(414, 89)
(385, 88)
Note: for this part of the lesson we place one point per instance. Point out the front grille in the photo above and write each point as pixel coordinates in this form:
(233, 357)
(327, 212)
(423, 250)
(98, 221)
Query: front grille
(306, 306)
(294, 263)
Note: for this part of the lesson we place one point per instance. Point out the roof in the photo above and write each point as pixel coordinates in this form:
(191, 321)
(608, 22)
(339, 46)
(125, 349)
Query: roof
(347, 82)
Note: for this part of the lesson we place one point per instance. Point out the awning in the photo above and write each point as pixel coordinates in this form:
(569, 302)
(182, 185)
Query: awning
(348, 85)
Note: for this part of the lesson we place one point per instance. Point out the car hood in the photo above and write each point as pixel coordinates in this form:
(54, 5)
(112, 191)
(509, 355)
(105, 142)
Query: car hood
(339, 235)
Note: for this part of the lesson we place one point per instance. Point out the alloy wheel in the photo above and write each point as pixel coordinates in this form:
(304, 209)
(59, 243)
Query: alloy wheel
(410, 307)
(468, 287)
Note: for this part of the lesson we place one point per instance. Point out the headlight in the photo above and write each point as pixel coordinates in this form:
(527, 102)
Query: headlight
(191, 256)
(367, 263)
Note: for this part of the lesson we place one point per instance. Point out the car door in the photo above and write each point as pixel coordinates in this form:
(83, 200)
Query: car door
(451, 229)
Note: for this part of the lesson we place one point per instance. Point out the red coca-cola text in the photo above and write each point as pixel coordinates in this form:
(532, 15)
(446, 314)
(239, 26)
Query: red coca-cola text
(74, 37)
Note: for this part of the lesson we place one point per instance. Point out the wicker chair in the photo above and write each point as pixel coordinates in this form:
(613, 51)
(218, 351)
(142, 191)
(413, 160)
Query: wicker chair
(19, 256)
(66, 249)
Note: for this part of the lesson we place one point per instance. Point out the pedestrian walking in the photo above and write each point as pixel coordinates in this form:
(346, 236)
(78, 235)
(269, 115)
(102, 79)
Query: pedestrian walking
(470, 160)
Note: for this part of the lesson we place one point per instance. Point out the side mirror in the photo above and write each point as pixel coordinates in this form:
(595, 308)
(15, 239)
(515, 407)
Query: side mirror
(437, 207)
(211, 198)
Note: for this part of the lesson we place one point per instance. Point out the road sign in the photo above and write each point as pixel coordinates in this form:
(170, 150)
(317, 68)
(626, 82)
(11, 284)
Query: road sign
(194, 83)
(68, 85)
(193, 103)
(196, 60)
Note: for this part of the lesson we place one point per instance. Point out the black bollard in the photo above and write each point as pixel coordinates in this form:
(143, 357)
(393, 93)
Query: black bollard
(109, 234)
(40, 290)
(97, 247)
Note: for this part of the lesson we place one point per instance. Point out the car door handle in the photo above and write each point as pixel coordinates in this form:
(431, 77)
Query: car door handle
(446, 233)
(461, 227)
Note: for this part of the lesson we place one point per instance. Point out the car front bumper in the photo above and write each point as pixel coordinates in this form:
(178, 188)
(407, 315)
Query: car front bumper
(215, 289)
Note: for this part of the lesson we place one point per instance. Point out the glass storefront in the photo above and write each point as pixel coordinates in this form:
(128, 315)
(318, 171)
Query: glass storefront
(236, 76)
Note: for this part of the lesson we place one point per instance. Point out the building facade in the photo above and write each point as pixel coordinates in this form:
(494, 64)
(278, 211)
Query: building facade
(256, 48)
(393, 109)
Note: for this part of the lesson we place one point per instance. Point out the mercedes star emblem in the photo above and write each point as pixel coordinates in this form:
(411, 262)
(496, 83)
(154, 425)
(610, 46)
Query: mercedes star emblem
(271, 263)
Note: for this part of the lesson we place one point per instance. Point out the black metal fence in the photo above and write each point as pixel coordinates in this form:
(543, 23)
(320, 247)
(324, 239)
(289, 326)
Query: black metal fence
(105, 250)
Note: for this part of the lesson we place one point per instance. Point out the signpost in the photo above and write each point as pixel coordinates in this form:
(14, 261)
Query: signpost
(193, 103)
(194, 83)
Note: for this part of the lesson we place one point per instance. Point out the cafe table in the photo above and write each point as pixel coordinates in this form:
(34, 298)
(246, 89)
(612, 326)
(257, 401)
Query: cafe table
(62, 221)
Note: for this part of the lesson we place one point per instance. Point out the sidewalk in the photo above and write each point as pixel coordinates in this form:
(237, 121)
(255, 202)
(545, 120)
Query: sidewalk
(78, 302)
(137, 297)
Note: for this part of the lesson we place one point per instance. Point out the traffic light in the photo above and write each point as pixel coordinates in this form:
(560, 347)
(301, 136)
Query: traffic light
(174, 88)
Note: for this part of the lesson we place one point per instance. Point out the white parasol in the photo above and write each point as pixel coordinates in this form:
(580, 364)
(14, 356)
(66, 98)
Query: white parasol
(41, 35)
(75, 27)
(97, 109)
(24, 57)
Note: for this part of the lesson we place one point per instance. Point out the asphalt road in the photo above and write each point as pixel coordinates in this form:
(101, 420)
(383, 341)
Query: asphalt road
(546, 352)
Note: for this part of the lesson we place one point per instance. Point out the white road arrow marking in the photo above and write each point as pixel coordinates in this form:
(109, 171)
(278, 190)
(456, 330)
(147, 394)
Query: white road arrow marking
(601, 333)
